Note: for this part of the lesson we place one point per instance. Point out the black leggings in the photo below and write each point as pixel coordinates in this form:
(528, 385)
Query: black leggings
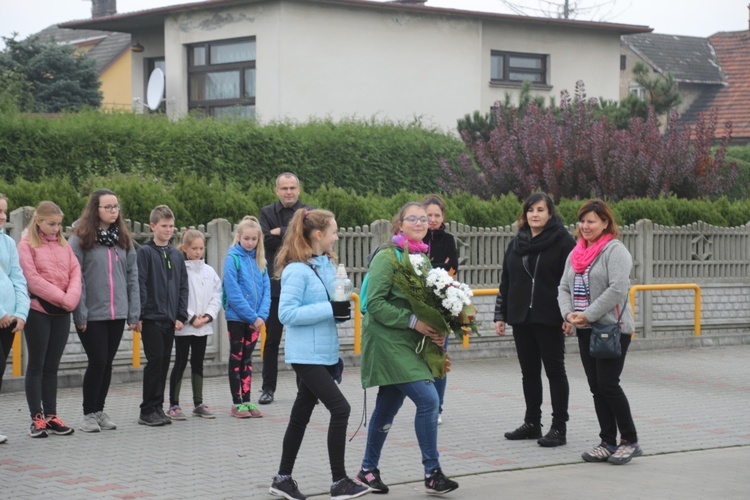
(242, 340)
(184, 345)
(6, 344)
(314, 383)
(46, 337)
(100, 341)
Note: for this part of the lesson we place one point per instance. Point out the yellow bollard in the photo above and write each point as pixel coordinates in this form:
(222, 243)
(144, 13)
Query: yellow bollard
(17, 354)
(136, 349)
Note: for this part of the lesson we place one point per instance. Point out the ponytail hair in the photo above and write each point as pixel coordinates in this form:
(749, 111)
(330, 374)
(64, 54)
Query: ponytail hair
(44, 210)
(251, 222)
(298, 239)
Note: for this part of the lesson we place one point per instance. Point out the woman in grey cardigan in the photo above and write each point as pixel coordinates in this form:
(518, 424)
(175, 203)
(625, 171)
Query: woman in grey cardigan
(594, 289)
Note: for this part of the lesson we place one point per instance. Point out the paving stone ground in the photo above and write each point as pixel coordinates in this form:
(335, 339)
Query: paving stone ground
(691, 409)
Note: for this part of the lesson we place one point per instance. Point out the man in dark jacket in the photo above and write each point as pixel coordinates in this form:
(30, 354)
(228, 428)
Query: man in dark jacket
(274, 219)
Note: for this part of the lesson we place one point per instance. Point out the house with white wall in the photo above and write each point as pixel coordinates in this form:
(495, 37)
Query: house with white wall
(400, 61)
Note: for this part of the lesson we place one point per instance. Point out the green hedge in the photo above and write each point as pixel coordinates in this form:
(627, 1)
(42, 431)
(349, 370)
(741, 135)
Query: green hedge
(197, 201)
(363, 156)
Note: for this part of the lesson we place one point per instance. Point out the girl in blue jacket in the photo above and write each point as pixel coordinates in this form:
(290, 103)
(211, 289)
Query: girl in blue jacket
(248, 301)
(306, 265)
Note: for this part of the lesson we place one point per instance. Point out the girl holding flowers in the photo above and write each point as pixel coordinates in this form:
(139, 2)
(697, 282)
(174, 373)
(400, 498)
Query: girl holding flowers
(392, 359)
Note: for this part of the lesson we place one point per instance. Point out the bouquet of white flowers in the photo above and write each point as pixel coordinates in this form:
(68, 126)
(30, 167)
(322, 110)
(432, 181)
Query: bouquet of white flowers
(437, 300)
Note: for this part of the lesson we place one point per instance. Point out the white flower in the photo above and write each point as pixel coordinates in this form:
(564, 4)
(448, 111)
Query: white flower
(417, 262)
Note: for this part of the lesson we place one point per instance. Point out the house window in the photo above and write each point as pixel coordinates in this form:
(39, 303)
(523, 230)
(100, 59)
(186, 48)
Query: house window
(623, 62)
(640, 92)
(221, 78)
(516, 67)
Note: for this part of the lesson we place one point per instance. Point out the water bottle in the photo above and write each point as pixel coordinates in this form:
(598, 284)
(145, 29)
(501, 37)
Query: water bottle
(342, 285)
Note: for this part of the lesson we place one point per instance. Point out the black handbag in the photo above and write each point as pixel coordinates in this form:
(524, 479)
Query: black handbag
(605, 339)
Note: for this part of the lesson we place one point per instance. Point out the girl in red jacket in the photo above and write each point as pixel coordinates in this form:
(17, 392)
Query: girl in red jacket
(53, 276)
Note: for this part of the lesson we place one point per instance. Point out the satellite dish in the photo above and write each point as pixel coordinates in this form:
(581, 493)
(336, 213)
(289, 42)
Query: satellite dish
(155, 89)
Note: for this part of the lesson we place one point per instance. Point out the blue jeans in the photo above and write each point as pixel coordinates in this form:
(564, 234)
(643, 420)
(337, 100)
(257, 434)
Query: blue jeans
(440, 383)
(389, 401)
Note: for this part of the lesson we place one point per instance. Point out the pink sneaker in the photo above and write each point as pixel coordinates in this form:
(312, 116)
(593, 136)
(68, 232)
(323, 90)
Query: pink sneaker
(253, 410)
(239, 411)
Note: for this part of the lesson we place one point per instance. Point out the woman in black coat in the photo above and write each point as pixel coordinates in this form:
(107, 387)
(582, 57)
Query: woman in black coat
(533, 265)
(442, 253)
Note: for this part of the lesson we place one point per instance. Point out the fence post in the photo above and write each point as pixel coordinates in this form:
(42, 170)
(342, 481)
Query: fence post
(645, 258)
(220, 231)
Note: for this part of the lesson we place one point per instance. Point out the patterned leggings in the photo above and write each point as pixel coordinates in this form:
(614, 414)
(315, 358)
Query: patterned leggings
(242, 340)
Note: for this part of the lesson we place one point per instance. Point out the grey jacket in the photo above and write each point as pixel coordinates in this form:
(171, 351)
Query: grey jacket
(110, 284)
(609, 283)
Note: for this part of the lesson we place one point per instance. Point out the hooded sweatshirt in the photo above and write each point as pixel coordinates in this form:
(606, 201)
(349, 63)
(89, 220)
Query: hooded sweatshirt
(204, 297)
(14, 296)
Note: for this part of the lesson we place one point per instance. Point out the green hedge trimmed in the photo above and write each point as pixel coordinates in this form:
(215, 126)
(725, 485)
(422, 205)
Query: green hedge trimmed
(197, 201)
(358, 155)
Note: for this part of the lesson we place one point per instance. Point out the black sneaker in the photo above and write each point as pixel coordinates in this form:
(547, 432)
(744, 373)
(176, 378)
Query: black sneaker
(38, 427)
(526, 431)
(555, 437)
(438, 484)
(372, 479)
(348, 488)
(150, 418)
(286, 488)
(163, 416)
(56, 426)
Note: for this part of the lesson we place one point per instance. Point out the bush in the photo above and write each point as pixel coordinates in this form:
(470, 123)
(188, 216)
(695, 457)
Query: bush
(348, 154)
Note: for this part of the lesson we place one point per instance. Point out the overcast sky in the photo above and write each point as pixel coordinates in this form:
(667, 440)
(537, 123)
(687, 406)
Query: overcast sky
(677, 17)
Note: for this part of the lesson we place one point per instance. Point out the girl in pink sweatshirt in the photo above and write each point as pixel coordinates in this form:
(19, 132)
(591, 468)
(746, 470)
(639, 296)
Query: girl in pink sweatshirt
(53, 276)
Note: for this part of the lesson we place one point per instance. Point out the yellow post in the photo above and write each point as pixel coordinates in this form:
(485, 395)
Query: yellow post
(136, 349)
(676, 286)
(17, 354)
(357, 325)
(484, 292)
(262, 339)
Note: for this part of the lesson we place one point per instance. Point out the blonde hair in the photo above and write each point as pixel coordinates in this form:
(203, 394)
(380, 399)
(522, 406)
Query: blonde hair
(44, 210)
(188, 237)
(297, 242)
(250, 222)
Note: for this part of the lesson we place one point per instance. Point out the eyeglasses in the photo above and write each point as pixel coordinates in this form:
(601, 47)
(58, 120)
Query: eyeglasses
(110, 208)
(412, 219)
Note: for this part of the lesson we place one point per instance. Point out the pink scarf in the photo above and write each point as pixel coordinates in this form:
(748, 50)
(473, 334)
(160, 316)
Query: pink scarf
(414, 246)
(582, 255)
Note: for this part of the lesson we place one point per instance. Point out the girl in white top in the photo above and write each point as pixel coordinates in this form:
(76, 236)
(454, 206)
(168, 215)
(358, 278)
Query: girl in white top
(204, 303)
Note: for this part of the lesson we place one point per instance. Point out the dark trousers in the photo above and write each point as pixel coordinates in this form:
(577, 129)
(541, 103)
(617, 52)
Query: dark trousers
(157, 337)
(539, 345)
(242, 340)
(271, 347)
(183, 346)
(46, 337)
(611, 404)
(314, 383)
(100, 341)
(6, 344)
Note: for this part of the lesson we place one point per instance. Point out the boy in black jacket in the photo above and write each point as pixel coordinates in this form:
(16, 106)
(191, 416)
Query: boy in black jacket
(164, 296)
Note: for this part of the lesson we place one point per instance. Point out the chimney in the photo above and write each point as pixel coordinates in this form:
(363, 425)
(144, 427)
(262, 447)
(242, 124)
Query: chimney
(103, 8)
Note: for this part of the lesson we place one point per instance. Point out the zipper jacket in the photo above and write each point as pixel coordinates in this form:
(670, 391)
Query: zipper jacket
(109, 286)
(163, 281)
(248, 289)
(14, 295)
(204, 297)
(52, 273)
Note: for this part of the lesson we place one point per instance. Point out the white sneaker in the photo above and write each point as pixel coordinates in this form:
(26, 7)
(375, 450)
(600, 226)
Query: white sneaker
(3, 438)
(105, 423)
(89, 423)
